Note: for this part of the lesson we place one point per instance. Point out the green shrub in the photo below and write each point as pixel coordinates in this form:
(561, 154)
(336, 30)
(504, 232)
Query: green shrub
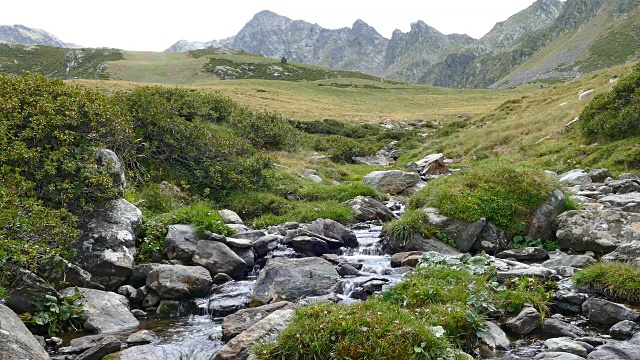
(57, 315)
(158, 199)
(411, 222)
(305, 212)
(526, 291)
(614, 115)
(368, 330)
(342, 149)
(264, 130)
(335, 127)
(619, 280)
(340, 193)
(251, 205)
(502, 193)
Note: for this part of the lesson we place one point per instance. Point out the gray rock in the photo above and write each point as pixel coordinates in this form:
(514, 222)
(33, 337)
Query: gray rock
(171, 309)
(230, 217)
(366, 208)
(64, 272)
(238, 228)
(265, 244)
(108, 312)
(264, 330)
(235, 324)
(292, 279)
(107, 247)
(416, 243)
(16, 342)
(392, 181)
(491, 240)
(229, 298)
(379, 160)
(525, 322)
(177, 282)
(308, 245)
(104, 347)
(147, 352)
(556, 327)
(557, 356)
(560, 260)
(624, 187)
(524, 254)
(462, 232)
(151, 299)
(534, 270)
(622, 201)
(494, 337)
(108, 162)
(567, 345)
(238, 243)
(624, 330)
(252, 235)
(598, 231)
(346, 269)
(628, 176)
(142, 337)
(397, 258)
(139, 274)
(433, 164)
(569, 302)
(541, 224)
(26, 290)
(128, 291)
(575, 177)
(222, 278)
(629, 252)
(218, 258)
(181, 242)
(334, 230)
(622, 350)
(139, 314)
(247, 255)
(606, 312)
(599, 175)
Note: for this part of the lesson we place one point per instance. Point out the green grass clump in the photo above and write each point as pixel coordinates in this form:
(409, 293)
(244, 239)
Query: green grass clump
(504, 194)
(305, 212)
(368, 330)
(619, 280)
(340, 193)
(254, 204)
(411, 223)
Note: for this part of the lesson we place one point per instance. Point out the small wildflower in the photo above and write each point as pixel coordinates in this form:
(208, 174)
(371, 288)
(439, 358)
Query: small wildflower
(3, 301)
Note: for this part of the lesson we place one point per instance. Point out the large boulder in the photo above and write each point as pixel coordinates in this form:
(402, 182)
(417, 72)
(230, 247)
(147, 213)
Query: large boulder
(108, 312)
(264, 330)
(598, 231)
(178, 282)
(392, 181)
(218, 258)
(307, 245)
(606, 312)
(366, 208)
(525, 322)
(618, 350)
(235, 324)
(181, 242)
(107, 247)
(229, 298)
(16, 342)
(433, 164)
(575, 177)
(230, 217)
(415, 243)
(26, 290)
(292, 279)
(334, 230)
(541, 224)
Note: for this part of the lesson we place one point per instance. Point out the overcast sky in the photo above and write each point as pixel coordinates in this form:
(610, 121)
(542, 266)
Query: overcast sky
(155, 25)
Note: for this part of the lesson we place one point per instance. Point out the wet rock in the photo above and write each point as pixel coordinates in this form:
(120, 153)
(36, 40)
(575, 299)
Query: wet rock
(180, 242)
(569, 302)
(593, 341)
(229, 298)
(177, 282)
(171, 309)
(599, 175)
(139, 274)
(108, 312)
(264, 330)
(16, 342)
(292, 279)
(524, 254)
(557, 356)
(151, 299)
(222, 278)
(543, 220)
(218, 258)
(345, 269)
(624, 330)
(142, 337)
(392, 181)
(416, 243)
(557, 327)
(265, 244)
(107, 247)
(26, 290)
(235, 324)
(606, 312)
(567, 345)
(104, 347)
(494, 337)
(619, 350)
(598, 231)
(230, 217)
(575, 177)
(307, 245)
(525, 322)
(247, 255)
(139, 314)
(145, 352)
(366, 208)
(334, 230)
(396, 259)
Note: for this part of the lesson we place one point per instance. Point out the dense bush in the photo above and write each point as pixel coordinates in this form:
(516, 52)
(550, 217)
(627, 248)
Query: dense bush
(335, 127)
(264, 130)
(502, 193)
(342, 149)
(614, 115)
(341, 193)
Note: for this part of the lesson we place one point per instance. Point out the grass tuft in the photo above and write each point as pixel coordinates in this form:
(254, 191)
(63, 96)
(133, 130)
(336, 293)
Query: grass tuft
(619, 280)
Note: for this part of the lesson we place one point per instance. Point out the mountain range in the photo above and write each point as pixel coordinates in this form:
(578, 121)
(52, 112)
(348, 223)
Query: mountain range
(548, 41)
(19, 34)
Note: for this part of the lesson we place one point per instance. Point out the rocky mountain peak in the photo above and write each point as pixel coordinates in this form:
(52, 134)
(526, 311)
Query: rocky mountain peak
(20, 34)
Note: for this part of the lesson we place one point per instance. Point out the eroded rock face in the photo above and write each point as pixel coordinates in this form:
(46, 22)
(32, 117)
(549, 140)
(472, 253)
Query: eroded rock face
(292, 279)
(366, 208)
(108, 312)
(598, 231)
(392, 181)
(177, 282)
(16, 342)
(107, 247)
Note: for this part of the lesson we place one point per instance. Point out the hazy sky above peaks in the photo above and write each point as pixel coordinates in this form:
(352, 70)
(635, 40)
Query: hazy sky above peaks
(155, 25)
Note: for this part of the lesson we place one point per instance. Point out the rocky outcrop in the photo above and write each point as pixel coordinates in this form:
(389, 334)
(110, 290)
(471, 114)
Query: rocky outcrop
(107, 247)
(598, 231)
(391, 182)
(109, 163)
(177, 282)
(16, 342)
(108, 312)
(292, 279)
(366, 208)
(19, 34)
